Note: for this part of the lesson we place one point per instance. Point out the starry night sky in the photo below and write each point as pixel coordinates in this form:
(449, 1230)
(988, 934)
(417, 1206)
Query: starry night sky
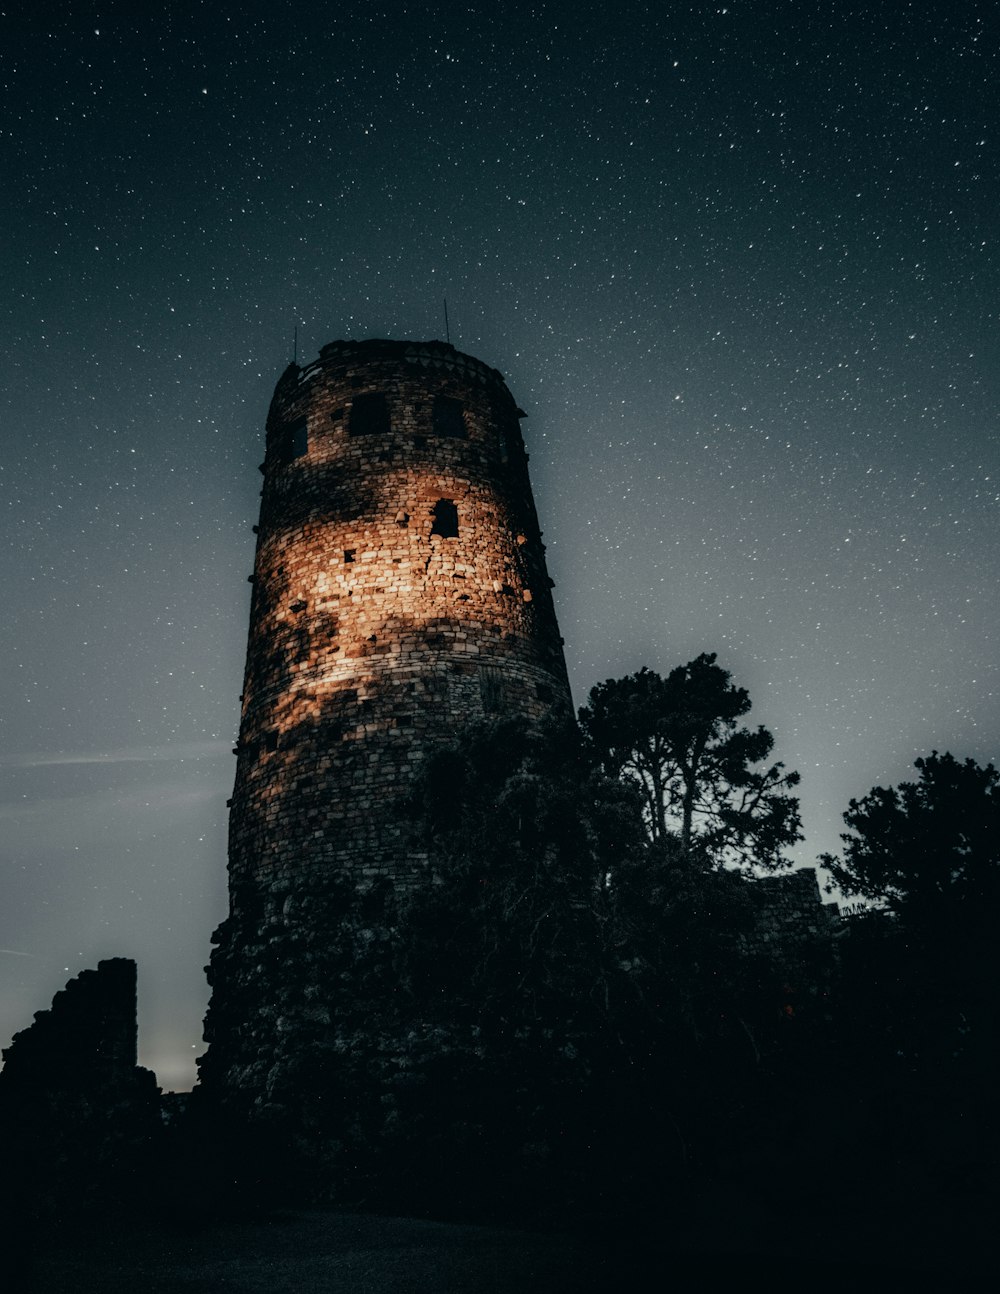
(738, 262)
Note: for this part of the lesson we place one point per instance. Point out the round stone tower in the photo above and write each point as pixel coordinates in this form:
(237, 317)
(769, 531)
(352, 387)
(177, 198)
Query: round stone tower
(399, 593)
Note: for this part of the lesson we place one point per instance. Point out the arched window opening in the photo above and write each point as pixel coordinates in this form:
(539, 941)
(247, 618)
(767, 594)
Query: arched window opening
(445, 519)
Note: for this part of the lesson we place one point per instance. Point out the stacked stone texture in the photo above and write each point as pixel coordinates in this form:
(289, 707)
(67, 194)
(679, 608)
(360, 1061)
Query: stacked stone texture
(400, 593)
(372, 637)
(795, 933)
(789, 913)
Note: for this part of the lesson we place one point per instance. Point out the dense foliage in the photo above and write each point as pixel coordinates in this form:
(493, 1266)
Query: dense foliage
(925, 859)
(928, 851)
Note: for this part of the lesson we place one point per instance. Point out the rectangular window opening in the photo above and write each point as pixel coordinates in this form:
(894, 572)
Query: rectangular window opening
(292, 442)
(491, 690)
(369, 415)
(445, 519)
(448, 418)
(298, 439)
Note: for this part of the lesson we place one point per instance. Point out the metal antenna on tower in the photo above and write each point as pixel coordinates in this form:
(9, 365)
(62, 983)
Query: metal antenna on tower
(447, 331)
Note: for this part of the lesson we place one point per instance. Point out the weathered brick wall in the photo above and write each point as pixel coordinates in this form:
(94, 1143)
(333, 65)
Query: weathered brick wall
(371, 636)
(399, 594)
(795, 933)
(789, 911)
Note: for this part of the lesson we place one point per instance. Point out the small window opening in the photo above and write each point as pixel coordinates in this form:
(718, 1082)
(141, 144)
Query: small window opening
(349, 554)
(298, 440)
(369, 415)
(543, 692)
(270, 741)
(491, 690)
(445, 519)
(510, 440)
(448, 418)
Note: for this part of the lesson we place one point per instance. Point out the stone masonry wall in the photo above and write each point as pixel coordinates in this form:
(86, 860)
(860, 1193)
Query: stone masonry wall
(790, 913)
(77, 1114)
(372, 636)
(399, 594)
(795, 933)
(87, 1038)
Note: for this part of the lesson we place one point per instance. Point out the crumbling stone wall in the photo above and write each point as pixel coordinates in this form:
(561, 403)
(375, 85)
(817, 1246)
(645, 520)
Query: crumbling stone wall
(399, 593)
(77, 1114)
(789, 913)
(795, 934)
(87, 1038)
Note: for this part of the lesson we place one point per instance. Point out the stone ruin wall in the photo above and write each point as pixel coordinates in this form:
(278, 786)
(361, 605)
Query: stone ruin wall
(77, 1113)
(376, 631)
(789, 912)
(796, 933)
(87, 1038)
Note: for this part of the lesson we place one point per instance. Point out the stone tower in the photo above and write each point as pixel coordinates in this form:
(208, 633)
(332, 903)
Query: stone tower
(399, 593)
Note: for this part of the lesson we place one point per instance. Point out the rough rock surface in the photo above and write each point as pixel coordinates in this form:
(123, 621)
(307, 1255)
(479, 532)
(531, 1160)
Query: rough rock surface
(399, 593)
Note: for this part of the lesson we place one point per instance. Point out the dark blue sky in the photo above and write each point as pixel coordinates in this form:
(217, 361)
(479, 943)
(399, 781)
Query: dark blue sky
(738, 262)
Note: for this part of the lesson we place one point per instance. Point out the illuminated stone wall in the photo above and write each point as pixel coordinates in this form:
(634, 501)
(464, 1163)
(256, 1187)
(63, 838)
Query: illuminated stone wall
(400, 592)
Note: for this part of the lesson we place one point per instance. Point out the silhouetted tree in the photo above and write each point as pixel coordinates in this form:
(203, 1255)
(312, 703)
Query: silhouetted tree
(916, 1005)
(593, 986)
(929, 850)
(678, 739)
(525, 837)
(926, 856)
